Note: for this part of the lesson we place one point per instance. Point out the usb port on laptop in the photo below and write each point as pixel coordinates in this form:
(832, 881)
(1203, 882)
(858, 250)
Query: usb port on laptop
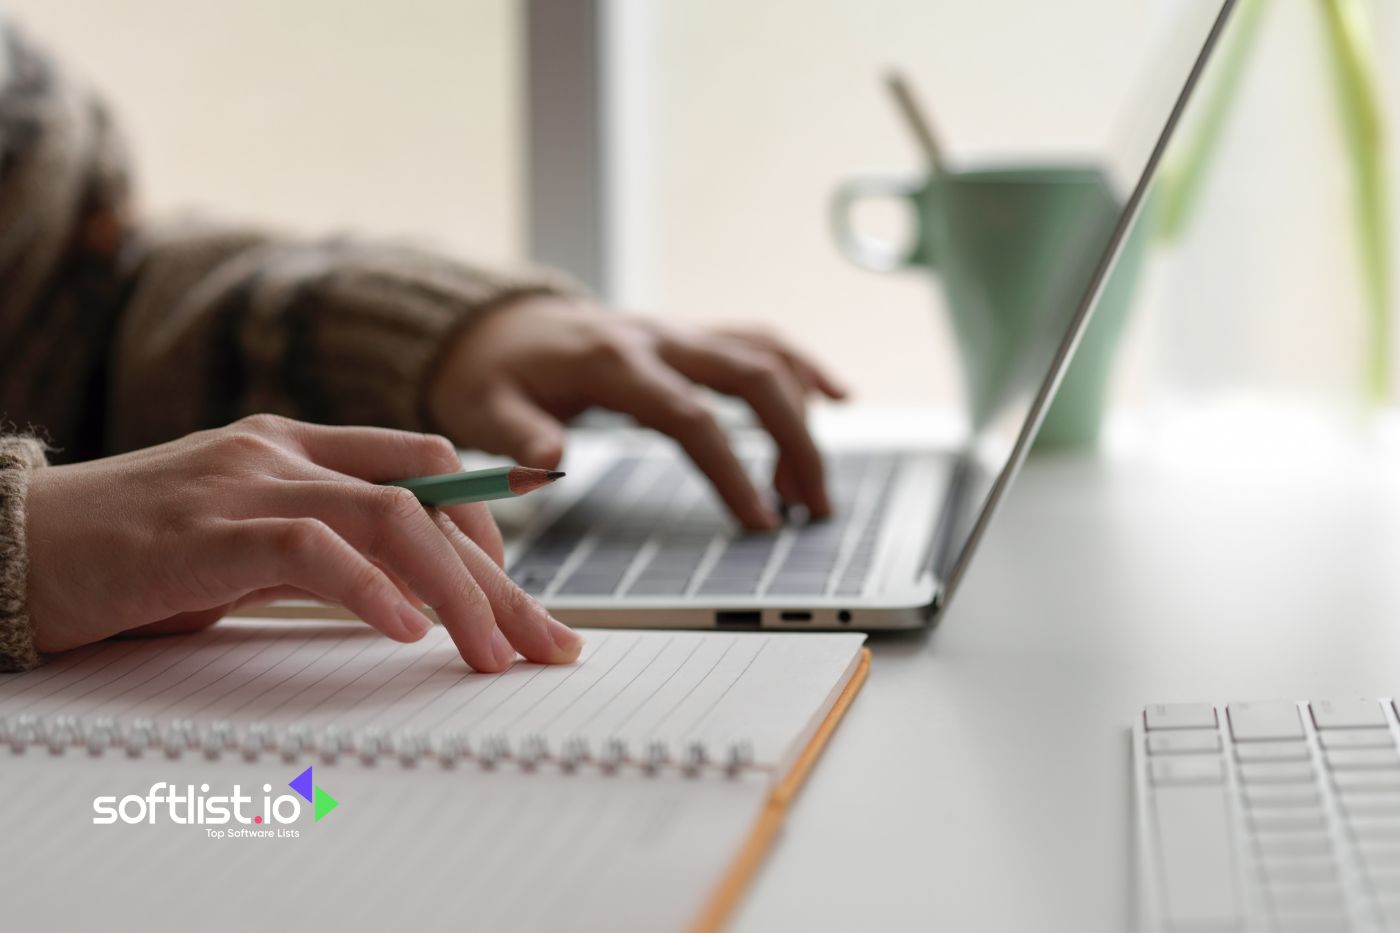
(738, 618)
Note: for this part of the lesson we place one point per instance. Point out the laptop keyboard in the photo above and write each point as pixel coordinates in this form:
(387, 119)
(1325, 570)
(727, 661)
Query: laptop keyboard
(1273, 815)
(652, 527)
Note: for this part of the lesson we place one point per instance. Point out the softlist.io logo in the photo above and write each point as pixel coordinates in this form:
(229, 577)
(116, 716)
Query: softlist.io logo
(188, 806)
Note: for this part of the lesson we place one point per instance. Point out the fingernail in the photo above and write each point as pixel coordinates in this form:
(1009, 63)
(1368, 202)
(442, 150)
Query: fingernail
(565, 639)
(414, 622)
(501, 648)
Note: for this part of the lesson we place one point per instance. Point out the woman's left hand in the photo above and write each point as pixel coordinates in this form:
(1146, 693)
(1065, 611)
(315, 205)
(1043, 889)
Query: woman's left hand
(515, 375)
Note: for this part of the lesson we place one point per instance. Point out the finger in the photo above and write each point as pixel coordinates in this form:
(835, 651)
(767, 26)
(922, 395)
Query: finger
(785, 482)
(659, 398)
(519, 429)
(524, 622)
(475, 519)
(812, 374)
(760, 380)
(306, 554)
(387, 525)
(376, 454)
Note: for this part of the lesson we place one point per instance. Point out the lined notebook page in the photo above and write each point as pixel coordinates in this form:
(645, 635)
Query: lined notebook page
(770, 690)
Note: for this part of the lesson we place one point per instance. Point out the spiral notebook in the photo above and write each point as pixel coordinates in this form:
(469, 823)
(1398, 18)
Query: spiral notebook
(636, 788)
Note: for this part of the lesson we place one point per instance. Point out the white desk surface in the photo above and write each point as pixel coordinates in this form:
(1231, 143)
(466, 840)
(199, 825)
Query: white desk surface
(981, 779)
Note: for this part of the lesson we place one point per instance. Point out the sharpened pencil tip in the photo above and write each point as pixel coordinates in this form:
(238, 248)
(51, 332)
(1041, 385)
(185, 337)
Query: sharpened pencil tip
(554, 474)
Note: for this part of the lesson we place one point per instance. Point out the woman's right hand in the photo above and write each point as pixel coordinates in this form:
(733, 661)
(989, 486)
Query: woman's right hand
(174, 537)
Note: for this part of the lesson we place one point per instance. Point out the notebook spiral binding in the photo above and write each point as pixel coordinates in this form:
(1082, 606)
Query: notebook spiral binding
(139, 737)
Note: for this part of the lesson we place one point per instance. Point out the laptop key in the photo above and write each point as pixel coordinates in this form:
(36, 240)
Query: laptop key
(659, 586)
(589, 585)
(796, 588)
(726, 588)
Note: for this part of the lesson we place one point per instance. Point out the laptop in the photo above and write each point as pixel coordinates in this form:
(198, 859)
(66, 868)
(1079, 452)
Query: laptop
(636, 537)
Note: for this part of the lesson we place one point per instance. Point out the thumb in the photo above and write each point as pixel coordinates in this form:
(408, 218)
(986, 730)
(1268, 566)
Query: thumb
(518, 428)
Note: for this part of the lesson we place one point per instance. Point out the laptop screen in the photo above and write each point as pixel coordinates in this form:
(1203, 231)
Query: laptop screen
(1049, 257)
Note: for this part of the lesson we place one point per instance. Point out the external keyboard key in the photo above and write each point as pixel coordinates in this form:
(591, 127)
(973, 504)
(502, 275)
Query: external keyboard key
(1379, 851)
(1276, 772)
(1292, 874)
(1273, 751)
(1309, 903)
(1180, 716)
(1197, 856)
(1356, 738)
(1264, 721)
(1187, 769)
(1183, 742)
(1375, 826)
(1281, 846)
(1268, 821)
(1329, 921)
(1369, 802)
(1281, 795)
(1344, 759)
(1367, 780)
(1348, 714)
(1384, 878)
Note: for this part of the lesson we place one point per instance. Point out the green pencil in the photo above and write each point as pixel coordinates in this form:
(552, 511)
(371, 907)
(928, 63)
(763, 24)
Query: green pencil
(477, 485)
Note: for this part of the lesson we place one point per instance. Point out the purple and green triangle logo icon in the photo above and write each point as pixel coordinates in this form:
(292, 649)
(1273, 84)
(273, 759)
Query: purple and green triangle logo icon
(321, 802)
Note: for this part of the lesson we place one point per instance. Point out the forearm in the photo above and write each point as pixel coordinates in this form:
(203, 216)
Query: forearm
(222, 323)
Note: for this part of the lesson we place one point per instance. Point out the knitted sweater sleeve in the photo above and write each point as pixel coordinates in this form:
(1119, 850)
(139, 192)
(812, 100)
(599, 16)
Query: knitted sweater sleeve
(19, 457)
(222, 323)
(118, 333)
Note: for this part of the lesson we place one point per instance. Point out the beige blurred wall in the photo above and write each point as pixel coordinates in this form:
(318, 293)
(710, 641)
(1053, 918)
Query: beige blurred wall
(395, 118)
(403, 118)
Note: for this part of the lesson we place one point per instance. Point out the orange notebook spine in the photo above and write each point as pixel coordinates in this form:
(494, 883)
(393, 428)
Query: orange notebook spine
(745, 865)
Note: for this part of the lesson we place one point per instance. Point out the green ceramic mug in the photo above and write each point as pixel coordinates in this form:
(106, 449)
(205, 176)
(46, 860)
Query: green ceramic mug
(1015, 248)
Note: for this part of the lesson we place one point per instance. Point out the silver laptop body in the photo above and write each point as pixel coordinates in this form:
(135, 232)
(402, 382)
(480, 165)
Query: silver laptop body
(635, 536)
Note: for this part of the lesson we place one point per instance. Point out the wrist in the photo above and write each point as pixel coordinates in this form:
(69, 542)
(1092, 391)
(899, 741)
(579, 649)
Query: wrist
(450, 380)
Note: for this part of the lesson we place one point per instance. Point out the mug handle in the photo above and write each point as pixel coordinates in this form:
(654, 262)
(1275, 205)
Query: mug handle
(866, 251)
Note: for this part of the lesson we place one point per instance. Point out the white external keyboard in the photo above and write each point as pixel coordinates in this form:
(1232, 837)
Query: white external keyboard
(1276, 815)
